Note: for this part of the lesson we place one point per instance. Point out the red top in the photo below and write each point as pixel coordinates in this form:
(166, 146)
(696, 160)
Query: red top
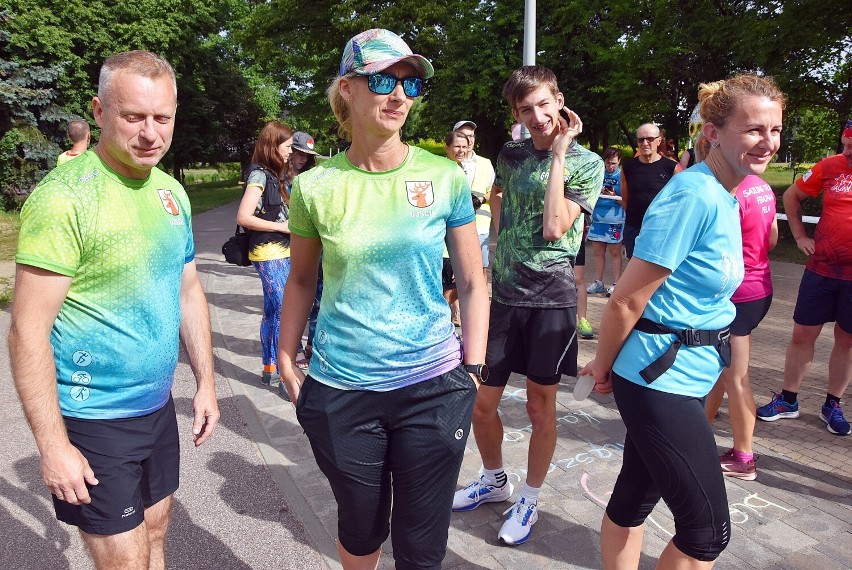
(833, 237)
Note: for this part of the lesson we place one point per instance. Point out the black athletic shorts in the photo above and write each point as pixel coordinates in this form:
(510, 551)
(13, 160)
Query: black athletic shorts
(670, 452)
(539, 343)
(397, 451)
(629, 241)
(447, 277)
(136, 462)
(823, 300)
(581, 255)
(749, 315)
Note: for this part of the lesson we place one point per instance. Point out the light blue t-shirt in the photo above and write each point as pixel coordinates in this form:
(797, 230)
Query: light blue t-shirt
(692, 228)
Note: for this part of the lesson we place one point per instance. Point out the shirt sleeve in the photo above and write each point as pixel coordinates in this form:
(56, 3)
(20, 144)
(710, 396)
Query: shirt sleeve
(667, 244)
(811, 181)
(584, 185)
(189, 250)
(462, 212)
(301, 223)
(50, 236)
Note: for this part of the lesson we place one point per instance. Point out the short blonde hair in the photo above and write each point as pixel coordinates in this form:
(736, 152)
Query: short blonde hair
(718, 100)
(341, 110)
(136, 62)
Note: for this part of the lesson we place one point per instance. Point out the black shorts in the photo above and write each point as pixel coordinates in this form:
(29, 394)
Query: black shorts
(629, 241)
(448, 280)
(823, 300)
(749, 315)
(136, 462)
(538, 343)
(399, 450)
(581, 254)
(670, 452)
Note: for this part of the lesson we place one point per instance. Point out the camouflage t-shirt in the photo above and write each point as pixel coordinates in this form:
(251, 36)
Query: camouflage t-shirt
(528, 270)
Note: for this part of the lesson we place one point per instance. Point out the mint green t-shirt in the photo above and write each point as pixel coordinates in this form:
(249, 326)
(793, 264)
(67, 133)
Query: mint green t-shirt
(528, 270)
(383, 323)
(124, 243)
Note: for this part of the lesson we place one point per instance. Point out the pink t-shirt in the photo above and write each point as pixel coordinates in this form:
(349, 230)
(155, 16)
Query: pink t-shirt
(757, 212)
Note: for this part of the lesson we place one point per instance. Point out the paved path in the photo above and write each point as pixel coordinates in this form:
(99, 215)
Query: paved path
(253, 497)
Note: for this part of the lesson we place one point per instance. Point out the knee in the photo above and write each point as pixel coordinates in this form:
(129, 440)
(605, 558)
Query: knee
(804, 336)
(705, 538)
(483, 412)
(842, 339)
(703, 550)
(542, 417)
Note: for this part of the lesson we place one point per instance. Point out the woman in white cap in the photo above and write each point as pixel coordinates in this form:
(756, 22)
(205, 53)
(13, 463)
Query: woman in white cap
(302, 159)
(389, 393)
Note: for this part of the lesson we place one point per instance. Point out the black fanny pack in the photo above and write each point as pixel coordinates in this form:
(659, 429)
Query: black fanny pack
(719, 338)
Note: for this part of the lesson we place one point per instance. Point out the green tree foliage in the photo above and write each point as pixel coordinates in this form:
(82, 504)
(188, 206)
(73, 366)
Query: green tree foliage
(620, 63)
(26, 109)
(812, 133)
(218, 115)
(806, 46)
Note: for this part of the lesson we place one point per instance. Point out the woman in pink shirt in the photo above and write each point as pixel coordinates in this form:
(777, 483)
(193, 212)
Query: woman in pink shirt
(752, 300)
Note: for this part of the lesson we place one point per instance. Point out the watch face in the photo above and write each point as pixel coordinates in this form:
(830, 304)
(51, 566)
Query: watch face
(480, 370)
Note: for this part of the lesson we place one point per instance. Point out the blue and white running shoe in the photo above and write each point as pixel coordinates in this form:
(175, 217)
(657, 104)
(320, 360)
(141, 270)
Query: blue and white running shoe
(480, 492)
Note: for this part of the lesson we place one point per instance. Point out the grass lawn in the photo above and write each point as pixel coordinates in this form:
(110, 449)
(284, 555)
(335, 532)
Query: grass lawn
(8, 243)
(209, 195)
(779, 176)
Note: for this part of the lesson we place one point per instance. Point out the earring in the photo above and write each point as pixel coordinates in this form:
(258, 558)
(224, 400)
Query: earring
(714, 145)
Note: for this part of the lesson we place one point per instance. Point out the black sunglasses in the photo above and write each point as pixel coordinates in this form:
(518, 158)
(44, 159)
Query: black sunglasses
(647, 139)
(382, 83)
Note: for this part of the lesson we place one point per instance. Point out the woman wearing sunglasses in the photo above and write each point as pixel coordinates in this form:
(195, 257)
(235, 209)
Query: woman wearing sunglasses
(387, 400)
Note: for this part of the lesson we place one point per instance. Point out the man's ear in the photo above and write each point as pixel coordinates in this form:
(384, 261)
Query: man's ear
(97, 110)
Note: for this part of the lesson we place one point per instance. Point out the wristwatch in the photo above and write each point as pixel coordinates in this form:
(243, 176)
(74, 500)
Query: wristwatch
(478, 370)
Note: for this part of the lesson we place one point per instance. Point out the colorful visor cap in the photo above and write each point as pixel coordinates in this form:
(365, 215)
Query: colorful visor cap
(376, 50)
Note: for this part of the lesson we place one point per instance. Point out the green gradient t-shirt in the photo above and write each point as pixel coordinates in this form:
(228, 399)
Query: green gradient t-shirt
(383, 323)
(124, 243)
(529, 271)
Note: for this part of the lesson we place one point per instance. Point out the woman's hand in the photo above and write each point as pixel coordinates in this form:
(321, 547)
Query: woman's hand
(293, 378)
(603, 380)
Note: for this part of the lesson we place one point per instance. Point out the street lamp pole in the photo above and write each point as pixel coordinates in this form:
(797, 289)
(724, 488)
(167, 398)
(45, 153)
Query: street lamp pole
(529, 45)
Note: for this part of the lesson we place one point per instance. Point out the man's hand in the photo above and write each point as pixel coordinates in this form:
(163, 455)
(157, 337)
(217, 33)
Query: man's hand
(806, 244)
(66, 472)
(568, 131)
(206, 415)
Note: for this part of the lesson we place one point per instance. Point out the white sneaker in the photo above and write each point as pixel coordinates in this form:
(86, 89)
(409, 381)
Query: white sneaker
(596, 287)
(478, 492)
(610, 290)
(518, 526)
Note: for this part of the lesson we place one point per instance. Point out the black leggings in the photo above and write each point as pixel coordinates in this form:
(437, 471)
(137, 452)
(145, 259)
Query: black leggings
(392, 460)
(670, 452)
